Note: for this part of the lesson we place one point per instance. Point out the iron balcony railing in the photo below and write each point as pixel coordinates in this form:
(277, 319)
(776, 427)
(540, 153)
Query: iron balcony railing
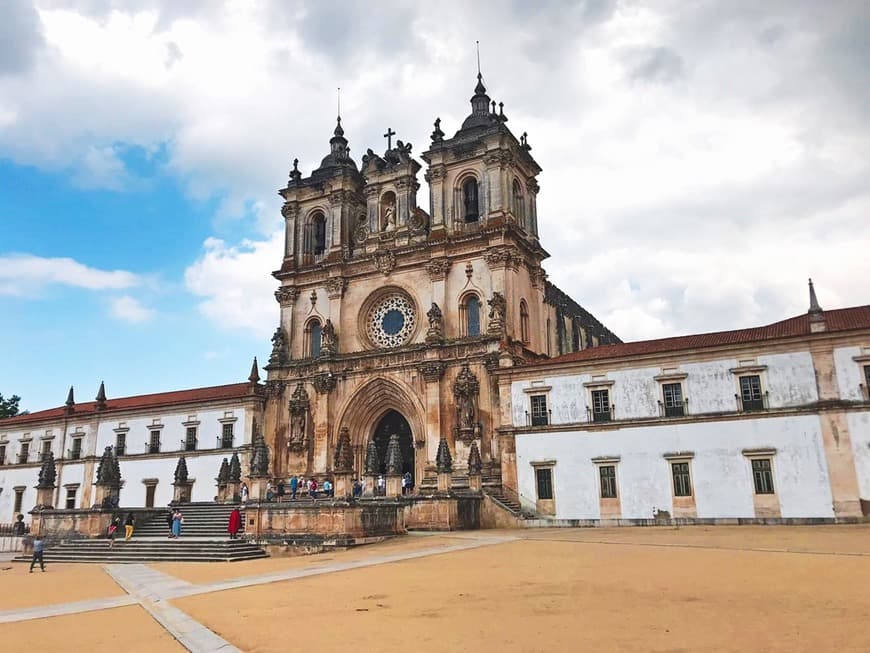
(674, 410)
(189, 444)
(750, 405)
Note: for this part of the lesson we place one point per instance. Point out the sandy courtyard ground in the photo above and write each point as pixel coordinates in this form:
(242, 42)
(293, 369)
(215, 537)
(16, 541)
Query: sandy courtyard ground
(556, 590)
(558, 593)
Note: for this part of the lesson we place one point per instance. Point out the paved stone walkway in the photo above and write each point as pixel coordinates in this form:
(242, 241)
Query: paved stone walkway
(152, 589)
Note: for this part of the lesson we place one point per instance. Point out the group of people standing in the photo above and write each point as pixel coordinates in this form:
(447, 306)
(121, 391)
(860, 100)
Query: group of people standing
(129, 527)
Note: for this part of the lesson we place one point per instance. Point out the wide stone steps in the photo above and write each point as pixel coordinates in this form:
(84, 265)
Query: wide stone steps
(200, 519)
(151, 550)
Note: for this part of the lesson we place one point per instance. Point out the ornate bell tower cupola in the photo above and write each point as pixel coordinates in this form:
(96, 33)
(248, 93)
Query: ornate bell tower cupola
(483, 176)
(320, 211)
(391, 198)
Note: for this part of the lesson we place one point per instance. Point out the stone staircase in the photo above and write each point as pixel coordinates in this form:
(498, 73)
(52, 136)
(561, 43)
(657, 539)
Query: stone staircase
(508, 503)
(203, 538)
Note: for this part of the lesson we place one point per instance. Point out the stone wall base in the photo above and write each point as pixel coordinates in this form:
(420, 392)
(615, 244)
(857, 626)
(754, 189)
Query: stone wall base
(724, 521)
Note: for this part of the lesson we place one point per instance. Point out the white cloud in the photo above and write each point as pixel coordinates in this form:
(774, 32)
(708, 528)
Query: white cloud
(129, 309)
(22, 274)
(702, 160)
(236, 283)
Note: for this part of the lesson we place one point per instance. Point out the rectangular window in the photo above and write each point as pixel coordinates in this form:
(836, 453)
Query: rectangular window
(46, 449)
(76, 451)
(227, 436)
(190, 439)
(607, 473)
(601, 405)
(25, 452)
(120, 444)
(2, 454)
(673, 395)
(154, 443)
(682, 482)
(762, 473)
(149, 495)
(750, 392)
(544, 478)
(70, 498)
(540, 416)
(19, 498)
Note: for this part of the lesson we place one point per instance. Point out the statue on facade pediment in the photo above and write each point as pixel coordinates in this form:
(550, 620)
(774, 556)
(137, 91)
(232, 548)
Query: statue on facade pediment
(435, 334)
(328, 339)
(279, 348)
(497, 310)
(299, 406)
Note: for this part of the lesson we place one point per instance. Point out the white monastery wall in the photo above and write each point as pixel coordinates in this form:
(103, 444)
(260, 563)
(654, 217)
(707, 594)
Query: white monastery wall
(859, 431)
(721, 474)
(791, 379)
(850, 375)
(201, 467)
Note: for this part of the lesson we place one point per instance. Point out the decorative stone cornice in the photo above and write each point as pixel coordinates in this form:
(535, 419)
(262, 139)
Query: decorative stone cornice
(437, 269)
(538, 276)
(499, 157)
(290, 210)
(275, 388)
(287, 295)
(532, 186)
(434, 173)
(324, 383)
(502, 256)
(335, 287)
(385, 261)
(432, 370)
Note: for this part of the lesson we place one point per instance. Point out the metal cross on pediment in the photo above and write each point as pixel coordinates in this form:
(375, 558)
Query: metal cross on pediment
(389, 136)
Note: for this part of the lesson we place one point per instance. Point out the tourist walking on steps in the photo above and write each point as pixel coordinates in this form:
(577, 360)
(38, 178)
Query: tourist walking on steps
(113, 529)
(235, 524)
(294, 486)
(38, 548)
(280, 489)
(169, 514)
(129, 523)
(177, 521)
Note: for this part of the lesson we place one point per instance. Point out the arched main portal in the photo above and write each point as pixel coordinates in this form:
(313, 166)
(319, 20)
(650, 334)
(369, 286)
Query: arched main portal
(394, 422)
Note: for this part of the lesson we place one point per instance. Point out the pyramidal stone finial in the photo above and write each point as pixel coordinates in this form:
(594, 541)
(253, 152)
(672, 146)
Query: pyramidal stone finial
(443, 458)
(814, 302)
(255, 372)
(101, 396)
(394, 456)
(70, 397)
(373, 463)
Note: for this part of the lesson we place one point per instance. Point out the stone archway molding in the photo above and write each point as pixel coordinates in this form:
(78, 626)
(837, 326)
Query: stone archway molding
(372, 400)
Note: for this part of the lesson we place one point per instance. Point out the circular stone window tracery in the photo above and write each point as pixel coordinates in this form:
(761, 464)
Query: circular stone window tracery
(391, 321)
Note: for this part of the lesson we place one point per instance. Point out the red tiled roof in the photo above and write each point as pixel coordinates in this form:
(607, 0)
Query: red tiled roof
(160, 399)
(844, 319)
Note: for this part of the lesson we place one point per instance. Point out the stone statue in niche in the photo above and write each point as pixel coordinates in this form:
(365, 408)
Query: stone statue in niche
(298, 419)
(279, 348)
(497, 309)
(436, 324)
(328, 340)
(465, 391)
(389, 223)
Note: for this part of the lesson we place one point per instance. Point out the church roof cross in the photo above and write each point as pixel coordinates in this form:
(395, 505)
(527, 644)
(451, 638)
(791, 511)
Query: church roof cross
(389, 136)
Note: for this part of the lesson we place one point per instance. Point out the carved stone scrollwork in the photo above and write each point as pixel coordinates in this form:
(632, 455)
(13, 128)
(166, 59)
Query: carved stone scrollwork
(299, 410)
(437, 268)
(465, 391)
(499, 257)
(324, 383)
(498, 158)
(360, 234)
(537, 276)
(385, 261)
(275, 388)
(290, 210)
(432, 370)
(287, 295)
(497, 308)
(335, 287)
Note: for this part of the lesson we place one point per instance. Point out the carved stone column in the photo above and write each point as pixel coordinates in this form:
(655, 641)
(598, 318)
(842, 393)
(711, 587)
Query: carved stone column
(286, 297)
(324, 384)
(343, 465)
(432, 371)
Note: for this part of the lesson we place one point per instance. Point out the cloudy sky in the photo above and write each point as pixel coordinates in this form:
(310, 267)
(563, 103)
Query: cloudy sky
(701, 160)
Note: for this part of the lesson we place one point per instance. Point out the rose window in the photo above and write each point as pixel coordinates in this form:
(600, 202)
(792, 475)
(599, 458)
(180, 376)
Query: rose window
(391, 322)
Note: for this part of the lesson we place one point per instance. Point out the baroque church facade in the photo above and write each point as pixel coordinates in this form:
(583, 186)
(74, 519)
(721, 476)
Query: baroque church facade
(428, 342)
(393, 318)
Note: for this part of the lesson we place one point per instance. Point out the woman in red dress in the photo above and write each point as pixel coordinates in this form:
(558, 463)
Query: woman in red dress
(235, 523)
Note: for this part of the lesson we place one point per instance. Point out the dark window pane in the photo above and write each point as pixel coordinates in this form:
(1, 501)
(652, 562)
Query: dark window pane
(762, 474)
(673, 395)
(315, 339)
(469, 198)
(607, 473)
(600, 405)
(227, 436)
(472, 316)
(319, 235)
(682, 483)
(539, 410)
(750, 392)
(544, 479)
